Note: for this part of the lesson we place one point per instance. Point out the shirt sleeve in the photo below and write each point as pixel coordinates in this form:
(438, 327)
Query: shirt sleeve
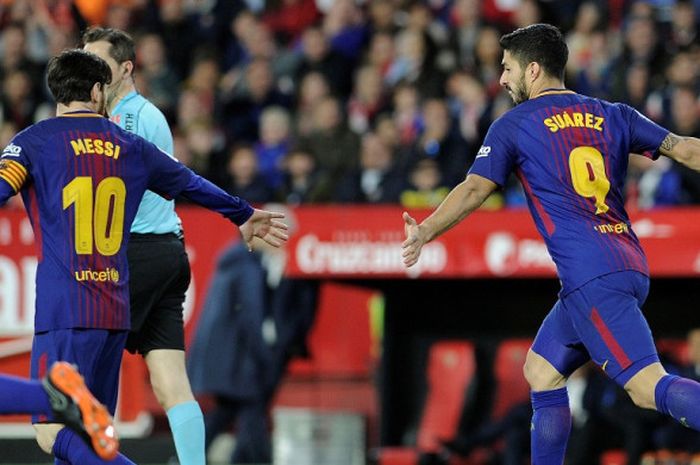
(14, 169)
(169, 178)
(496, 157)
(645, 135)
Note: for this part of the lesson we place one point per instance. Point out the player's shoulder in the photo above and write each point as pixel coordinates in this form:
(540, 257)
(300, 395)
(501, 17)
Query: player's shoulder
(148, 112)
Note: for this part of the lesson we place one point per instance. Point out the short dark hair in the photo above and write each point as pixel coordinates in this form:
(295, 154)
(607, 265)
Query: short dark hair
(542, 43)
(122, 48)
(72, 74)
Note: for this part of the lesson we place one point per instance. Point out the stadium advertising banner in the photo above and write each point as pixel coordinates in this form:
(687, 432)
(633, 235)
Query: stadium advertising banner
(365, 242)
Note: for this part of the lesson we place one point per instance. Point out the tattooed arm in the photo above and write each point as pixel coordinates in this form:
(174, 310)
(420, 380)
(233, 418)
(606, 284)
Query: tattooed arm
(685, 150)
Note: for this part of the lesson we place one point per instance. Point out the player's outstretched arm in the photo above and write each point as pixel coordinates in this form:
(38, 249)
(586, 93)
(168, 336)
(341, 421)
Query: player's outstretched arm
(460, 202)
(267, 226)
(685, 150)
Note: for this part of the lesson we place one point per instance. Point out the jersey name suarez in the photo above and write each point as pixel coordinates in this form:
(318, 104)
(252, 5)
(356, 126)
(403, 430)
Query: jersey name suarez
(571, 153)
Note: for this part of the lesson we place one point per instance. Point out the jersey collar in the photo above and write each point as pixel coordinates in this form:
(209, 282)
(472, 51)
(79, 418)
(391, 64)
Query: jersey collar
(553, 92)
(80, 114)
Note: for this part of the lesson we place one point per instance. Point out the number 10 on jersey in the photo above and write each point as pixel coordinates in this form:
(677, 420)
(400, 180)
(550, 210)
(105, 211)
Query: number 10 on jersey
(99, 217)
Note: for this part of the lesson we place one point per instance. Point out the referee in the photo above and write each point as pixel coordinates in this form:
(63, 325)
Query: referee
(158, 264)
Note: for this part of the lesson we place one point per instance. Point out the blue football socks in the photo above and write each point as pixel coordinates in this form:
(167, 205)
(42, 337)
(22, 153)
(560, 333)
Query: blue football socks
(23, 396)
(71, 448)
(679, 398)
(187, 424)
(551, 426)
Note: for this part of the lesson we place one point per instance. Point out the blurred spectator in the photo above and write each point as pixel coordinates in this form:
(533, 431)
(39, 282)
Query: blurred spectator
(367, 99)
(382, 16)
(406, 113)
(588, 20)
(312, 89)
(244, 175)
(380, 53)
(317, 55)
(14, 54)
(153, 67)
(288, 19)
(333, 145)
(17, 104)
(593, 78)
(466, 21)
(257, 92)
(345, 28)
(528, 12)
(300, 178)
(641, 45)
(488, 56)
(438, 142)
(683, 31)
(374, 181)
(207, 150)
(413, 64)
(685, 114)
(273, 145)
(425, 187)
(470, 106)
(230, 357)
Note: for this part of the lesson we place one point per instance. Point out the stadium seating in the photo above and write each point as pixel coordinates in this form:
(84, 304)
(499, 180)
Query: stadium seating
(451, 368)
(511, 386)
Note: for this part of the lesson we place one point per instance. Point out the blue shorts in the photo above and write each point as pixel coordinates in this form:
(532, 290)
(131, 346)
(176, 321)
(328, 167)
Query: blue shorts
(96, 352)
(602, 321)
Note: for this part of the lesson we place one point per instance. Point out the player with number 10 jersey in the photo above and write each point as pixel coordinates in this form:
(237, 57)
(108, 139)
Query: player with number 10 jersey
(570, 153)
(91, 176)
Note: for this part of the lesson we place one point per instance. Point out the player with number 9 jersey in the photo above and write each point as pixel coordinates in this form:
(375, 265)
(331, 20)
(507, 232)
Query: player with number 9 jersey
(570, 152)
(90, 176)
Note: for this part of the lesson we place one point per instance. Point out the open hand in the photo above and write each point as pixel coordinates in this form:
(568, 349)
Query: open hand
(267, 226)
(415, 239)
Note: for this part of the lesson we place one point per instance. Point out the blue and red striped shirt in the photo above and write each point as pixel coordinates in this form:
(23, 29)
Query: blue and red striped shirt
(571, 154)
(81, 178)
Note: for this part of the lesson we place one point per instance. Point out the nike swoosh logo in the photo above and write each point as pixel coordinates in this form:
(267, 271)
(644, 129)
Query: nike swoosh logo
(482, 155)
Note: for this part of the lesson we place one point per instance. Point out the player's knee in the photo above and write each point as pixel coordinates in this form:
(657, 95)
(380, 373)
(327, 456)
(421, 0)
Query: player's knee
(642, 397)
(540, 375)
(171, 391)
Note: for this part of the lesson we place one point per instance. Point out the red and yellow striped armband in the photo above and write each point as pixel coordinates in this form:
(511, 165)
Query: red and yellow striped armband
(14, 173)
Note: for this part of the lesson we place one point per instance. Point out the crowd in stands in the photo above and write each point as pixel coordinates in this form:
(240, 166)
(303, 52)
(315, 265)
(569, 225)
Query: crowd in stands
(310, 101)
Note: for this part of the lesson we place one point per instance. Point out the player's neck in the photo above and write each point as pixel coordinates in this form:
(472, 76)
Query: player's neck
(124, 90)
(546, 85)
(63, 108)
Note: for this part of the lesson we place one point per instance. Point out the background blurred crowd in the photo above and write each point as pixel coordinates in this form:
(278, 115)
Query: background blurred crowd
(308, 101)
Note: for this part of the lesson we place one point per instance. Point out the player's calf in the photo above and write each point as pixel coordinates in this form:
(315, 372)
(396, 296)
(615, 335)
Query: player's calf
(74, 405)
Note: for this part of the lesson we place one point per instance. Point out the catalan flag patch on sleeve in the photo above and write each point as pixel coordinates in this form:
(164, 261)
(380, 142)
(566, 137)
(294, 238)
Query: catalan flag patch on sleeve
(14, 173)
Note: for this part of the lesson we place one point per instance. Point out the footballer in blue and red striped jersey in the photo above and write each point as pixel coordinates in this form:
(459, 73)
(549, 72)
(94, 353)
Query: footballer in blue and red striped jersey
(570, 153)
(90, 176)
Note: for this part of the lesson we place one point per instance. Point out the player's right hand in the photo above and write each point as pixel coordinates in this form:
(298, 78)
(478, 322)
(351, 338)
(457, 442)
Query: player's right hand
(415, 239)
